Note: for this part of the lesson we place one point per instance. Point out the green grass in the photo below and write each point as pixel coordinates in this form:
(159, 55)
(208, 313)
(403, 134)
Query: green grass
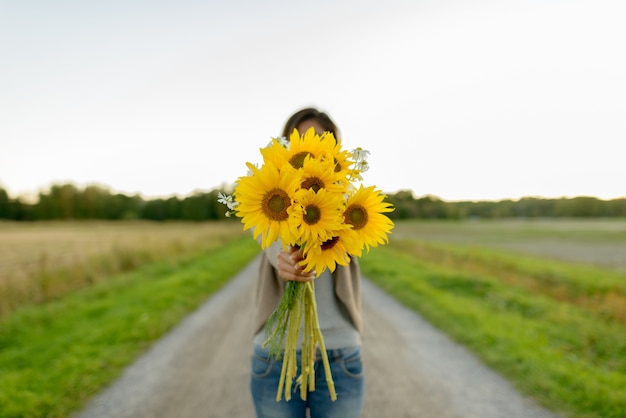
(555, 329)
(55, 356)
(528, 318)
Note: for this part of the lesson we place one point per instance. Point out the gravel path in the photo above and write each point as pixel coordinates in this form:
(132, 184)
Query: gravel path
(201, 368)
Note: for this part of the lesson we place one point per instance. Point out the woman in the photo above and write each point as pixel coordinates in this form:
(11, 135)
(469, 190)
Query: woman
(338, 299)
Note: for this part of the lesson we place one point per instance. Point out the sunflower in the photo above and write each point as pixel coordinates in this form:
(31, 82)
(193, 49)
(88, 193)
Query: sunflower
(320, 174)
(331, 252)
(316, 217)
(265, 201)
(341, 158)
(303, 146)
(364, 211)
(275, 153)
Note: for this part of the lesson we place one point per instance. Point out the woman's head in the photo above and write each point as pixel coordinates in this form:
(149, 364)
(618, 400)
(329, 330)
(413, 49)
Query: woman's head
(305, 118)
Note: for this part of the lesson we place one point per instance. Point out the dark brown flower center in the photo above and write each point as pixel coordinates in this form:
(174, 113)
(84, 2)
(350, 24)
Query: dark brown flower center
(314, 183)
(327, 245)
(355, 215)
(337, 166)
(297, 161)
(275, 204)
(312, 214)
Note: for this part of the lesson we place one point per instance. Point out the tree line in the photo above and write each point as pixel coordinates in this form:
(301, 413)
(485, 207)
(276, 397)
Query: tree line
(431, 207)
(68, 202)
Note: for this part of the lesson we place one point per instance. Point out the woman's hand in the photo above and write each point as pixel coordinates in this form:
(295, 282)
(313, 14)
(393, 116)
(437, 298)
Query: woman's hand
(289, 269)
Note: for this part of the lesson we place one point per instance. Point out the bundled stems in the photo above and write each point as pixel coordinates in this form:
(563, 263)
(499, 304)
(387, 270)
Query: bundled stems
(298, 308)
(318, 338)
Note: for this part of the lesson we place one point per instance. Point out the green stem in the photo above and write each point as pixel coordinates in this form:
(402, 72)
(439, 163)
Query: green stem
(277, 324)
(320, 340)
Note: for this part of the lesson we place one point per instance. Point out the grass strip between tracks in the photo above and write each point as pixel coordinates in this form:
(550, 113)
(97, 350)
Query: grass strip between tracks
(55, 356)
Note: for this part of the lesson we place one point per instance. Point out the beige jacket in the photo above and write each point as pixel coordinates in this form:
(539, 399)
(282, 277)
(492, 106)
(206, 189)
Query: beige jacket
(270, 289)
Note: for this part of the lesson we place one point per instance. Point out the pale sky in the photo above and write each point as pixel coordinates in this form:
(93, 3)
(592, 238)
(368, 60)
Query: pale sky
(465, 100)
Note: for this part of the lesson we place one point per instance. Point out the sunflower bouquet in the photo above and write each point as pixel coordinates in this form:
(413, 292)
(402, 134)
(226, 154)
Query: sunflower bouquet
(305, 195)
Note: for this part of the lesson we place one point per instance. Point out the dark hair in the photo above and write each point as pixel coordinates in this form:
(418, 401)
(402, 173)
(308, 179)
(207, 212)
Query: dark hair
(307, 114)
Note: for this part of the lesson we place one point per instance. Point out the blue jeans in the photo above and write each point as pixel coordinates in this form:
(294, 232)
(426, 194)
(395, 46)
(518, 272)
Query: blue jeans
(348, 375)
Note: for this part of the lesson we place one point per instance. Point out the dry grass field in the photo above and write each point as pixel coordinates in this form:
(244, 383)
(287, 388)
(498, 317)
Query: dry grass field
(42, 260)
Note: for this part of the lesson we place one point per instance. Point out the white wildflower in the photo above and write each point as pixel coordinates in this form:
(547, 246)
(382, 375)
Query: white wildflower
(360, 155)
(228, 200)
(362, 166)
(281, 140)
